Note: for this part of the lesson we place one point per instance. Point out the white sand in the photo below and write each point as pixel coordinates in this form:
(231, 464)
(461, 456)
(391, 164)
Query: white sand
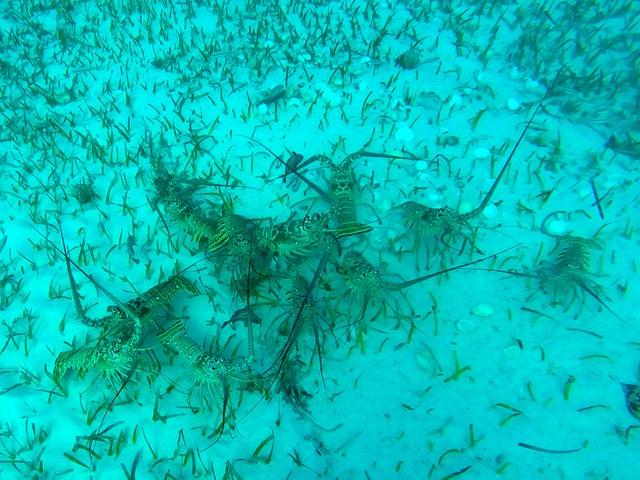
(87, 86)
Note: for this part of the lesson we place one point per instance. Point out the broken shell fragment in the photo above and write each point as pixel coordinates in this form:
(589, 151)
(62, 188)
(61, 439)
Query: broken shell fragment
(409, 59)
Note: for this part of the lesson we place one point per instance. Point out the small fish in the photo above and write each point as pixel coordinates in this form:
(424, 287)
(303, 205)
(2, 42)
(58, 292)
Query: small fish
(244, 314)
(131, 241)
(632, 395)
(272, 95)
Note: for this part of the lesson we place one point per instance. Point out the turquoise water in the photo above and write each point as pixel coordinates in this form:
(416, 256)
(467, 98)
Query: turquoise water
(319, 240)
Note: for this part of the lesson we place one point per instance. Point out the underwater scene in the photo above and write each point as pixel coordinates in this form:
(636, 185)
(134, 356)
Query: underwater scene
(319, 240)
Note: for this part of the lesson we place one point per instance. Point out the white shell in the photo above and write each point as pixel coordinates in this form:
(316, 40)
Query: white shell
(483, 310)
(421, 165)
(455, 99)
(491, 211)
(435, 197)
(557, 227)
(404, 134)
(465, 207)
(481, 153)
(532, 84)
(465, 325)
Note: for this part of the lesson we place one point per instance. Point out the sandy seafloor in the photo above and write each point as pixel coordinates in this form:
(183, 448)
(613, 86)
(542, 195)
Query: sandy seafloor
(92, 92)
